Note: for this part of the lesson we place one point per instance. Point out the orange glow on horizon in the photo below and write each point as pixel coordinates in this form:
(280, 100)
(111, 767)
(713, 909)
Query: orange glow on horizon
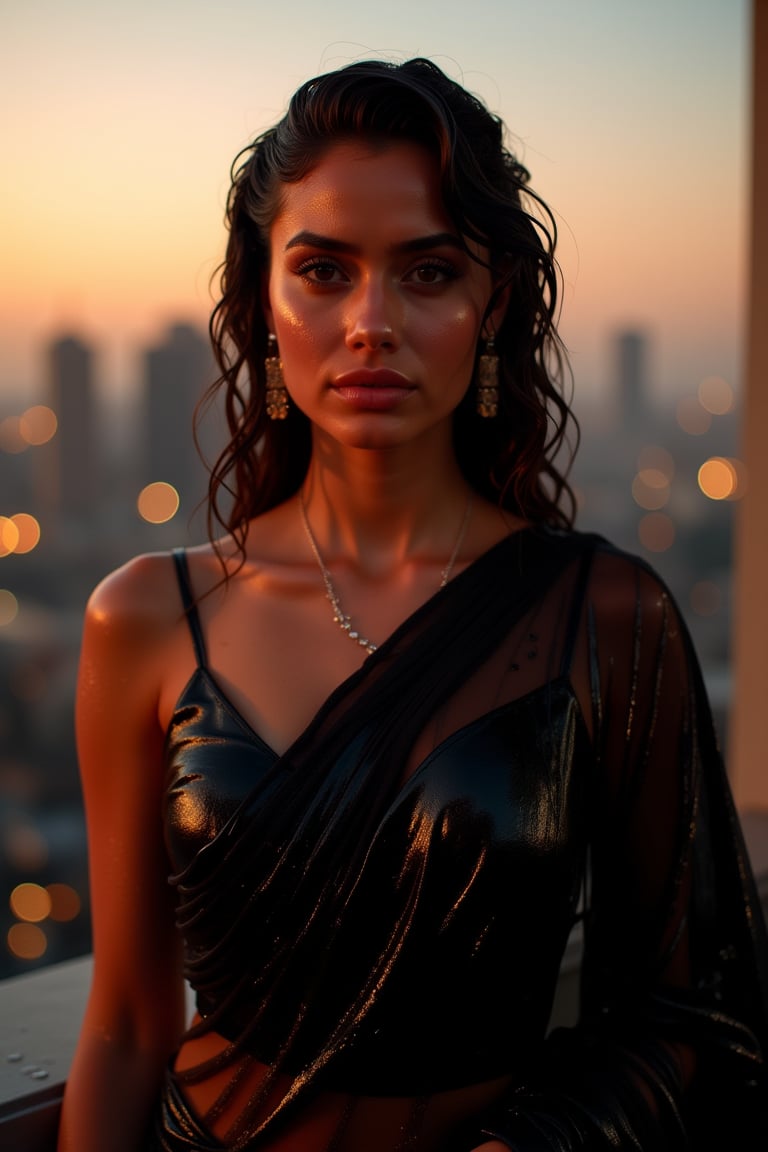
(113, 217)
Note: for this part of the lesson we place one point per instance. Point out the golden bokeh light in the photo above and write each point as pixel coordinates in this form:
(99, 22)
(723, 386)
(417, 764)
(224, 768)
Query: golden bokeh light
(28, 532)
(9, 535)
(30, 902)
(706, 598)
(656, 532)
(11, 439)
(653, 478)
(650, 489)
(692, 417)
(653, 457)
(9, 607)
(158, 503)
(65, 902)
(716, 395)
(38, 424)
(26, 941)
(718, 479)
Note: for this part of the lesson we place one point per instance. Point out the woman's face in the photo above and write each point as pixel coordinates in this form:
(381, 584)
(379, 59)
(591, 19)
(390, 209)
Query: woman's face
(376, 308)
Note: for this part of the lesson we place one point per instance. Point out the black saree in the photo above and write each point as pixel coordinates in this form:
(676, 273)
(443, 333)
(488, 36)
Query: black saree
(383, 909)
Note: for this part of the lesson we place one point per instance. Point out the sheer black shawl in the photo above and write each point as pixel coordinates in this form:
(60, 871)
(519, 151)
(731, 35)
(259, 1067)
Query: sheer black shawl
(284, 872)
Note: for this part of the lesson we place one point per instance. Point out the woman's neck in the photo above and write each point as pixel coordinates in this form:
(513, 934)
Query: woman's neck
(381, 510)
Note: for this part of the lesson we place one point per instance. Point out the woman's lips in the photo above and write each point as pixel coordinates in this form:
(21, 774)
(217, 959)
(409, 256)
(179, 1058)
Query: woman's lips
(372, 389)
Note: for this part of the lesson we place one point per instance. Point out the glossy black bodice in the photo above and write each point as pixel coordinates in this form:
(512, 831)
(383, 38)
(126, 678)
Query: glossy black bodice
(481, 848)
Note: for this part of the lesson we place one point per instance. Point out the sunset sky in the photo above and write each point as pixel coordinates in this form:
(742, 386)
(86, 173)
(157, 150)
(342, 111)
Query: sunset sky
(120, 122)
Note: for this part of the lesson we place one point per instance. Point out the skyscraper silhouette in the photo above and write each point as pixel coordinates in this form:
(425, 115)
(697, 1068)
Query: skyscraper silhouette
(177, 371)
(632, 380)
(70, 481)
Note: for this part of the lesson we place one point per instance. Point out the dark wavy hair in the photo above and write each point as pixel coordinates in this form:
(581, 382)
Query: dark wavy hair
(512, 459)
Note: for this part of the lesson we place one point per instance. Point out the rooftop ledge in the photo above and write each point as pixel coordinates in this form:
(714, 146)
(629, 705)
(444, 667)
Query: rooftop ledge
(40, 1018)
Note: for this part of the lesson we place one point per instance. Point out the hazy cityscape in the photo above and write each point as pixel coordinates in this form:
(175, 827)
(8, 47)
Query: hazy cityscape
(78, 498)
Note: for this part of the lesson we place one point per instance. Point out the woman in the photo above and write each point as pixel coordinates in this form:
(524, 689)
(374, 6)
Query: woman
(400, 729)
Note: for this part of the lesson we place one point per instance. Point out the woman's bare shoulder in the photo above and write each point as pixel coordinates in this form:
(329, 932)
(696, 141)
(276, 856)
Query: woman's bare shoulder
(140, 602)
(133, 622)
(142, 593)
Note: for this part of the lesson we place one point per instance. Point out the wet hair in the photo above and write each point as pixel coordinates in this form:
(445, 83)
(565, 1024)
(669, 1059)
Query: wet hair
(514, 459)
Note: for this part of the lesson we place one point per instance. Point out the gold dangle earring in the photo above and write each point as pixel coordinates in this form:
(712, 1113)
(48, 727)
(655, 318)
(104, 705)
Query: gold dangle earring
(277, 396)
(488, 381)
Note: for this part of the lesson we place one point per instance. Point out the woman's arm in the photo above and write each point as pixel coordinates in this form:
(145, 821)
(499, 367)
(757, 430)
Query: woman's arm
(134, 1015)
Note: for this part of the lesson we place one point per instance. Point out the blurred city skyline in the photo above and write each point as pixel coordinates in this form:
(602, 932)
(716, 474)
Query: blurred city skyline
(64, 458)
(122, 123)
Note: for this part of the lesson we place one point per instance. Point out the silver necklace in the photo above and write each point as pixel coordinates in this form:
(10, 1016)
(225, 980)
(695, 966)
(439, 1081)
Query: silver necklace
(339, 615)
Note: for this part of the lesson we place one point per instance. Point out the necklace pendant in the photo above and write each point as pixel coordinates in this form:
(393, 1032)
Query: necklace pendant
(339, 617)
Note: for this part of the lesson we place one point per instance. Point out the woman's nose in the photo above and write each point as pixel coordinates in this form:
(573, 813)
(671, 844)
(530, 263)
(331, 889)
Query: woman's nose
(373, 321)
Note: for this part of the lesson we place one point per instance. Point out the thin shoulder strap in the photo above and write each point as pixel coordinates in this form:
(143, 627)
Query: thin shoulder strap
(577, 602)
(190, 605)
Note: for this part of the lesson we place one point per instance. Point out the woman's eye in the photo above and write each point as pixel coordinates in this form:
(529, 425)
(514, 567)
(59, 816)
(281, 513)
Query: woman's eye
(432, 273)
(321, 272)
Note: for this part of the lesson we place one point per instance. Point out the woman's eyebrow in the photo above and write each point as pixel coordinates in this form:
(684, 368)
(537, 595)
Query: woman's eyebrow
(417, 244)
